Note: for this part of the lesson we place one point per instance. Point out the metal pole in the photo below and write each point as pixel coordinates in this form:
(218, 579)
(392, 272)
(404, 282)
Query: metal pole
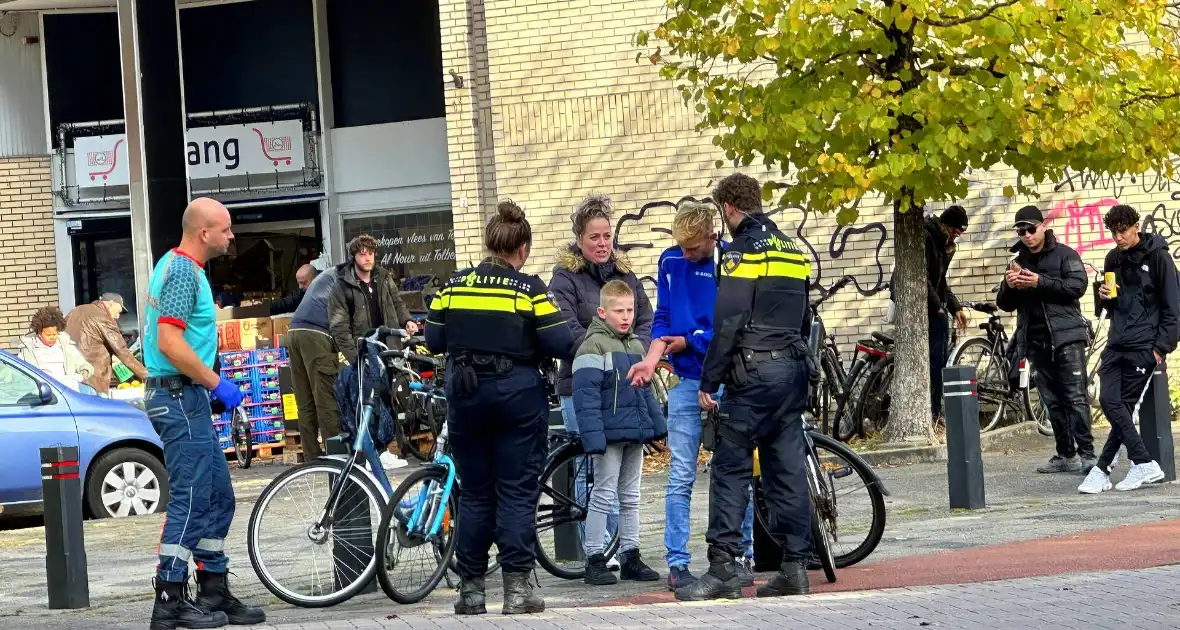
(65, 547)
(964, 463)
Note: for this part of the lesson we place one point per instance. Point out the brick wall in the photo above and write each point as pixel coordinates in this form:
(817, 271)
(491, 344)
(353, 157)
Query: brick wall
(554, 106)
(28, 269)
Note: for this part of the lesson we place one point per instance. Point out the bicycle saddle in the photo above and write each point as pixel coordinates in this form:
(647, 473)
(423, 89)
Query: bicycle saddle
(882, 337)
(989, 308)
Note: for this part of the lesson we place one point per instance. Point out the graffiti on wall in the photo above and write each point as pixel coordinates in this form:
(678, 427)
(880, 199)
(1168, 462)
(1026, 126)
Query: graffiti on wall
(640, 231)
(1080, 225)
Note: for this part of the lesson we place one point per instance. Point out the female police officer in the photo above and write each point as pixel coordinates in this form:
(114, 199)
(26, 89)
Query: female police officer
(495, 324)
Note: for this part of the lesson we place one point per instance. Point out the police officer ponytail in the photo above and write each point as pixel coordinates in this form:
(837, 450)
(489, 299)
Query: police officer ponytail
(508, 231)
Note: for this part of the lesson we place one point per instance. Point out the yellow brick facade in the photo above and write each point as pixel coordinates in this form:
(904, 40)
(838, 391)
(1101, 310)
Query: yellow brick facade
(555, 106)
(28, 269)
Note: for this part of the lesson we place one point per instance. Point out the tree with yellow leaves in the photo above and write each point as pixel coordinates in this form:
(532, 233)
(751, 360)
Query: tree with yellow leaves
(899, 98)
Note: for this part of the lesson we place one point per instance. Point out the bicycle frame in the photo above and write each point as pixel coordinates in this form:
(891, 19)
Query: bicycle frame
(436, 497)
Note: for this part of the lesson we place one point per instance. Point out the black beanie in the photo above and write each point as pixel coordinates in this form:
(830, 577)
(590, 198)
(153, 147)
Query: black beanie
(954, 217)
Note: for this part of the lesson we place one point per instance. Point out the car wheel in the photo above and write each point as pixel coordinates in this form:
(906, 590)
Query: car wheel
(126, 482)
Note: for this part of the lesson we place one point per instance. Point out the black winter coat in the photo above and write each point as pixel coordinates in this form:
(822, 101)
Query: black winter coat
(938, 261)
(1062, 284)
(1145, 314)
(575, 285)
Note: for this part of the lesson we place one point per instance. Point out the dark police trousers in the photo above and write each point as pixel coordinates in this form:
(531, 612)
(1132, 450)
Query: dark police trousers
(498, 438)
(1061, 382)
(767, 412)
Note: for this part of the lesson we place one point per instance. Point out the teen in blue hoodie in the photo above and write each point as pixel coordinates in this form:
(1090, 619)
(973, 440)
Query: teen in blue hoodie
(683, 326)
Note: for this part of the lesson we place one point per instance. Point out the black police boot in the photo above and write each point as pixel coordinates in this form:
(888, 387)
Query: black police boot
(720, 582)
(633, 569)
(175, 609)
(472, 597)
(596, 572)
(213, 594)
(790, 580)
(519, 597)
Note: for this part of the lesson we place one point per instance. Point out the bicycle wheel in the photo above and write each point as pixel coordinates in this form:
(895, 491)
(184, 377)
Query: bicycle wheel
(282, 522)
(398, 546)
(242, 438)
(847, 424)
(991, 377)
(561, 514)
(872, 410)
(855, 513)
(821, 535)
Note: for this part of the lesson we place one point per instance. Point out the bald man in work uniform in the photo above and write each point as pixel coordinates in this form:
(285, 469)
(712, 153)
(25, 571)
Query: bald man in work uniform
(180, 347)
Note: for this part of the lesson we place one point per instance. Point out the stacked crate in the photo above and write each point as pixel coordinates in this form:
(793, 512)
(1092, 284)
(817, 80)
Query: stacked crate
(256, 373)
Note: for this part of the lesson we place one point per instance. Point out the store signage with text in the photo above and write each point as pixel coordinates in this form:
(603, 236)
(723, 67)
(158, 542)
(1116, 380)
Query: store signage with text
(429, 247)
(210, 152)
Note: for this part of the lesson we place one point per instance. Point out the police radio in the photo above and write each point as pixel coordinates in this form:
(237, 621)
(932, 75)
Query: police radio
(717, 260)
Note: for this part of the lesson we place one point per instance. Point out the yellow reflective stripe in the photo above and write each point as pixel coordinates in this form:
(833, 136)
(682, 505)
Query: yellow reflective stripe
(773, 255)
(746, 270)
(456, 290)
(770, 269)
(482, 299)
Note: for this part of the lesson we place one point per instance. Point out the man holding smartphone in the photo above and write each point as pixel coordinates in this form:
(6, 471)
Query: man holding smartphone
(1144, 306)
(1044, 286)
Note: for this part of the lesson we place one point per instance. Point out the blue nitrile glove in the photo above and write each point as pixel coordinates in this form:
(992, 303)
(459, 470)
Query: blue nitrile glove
(228, 393)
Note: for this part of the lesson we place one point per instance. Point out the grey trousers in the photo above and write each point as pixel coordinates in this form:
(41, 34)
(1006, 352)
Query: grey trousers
(616, 477)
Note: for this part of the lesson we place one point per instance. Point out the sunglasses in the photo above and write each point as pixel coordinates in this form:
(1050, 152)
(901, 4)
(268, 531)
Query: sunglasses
(1032, 229)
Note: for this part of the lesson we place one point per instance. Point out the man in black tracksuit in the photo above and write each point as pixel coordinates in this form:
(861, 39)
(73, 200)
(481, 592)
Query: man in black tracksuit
(1044, 286)
(1144, 326)
(759, 351)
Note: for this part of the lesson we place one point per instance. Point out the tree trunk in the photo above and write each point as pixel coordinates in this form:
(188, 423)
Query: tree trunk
(909, 408)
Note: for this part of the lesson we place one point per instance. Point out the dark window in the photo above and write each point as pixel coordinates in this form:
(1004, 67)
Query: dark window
(248, 54)
(83, 70)
(386, 61)
(418, 246)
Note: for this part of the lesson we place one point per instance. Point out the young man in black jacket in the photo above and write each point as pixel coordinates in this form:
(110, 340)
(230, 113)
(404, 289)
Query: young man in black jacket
(1044, 285)
(1144, 327)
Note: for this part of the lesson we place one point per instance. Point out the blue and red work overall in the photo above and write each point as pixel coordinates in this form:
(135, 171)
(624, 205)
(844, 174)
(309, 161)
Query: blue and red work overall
(201, 502)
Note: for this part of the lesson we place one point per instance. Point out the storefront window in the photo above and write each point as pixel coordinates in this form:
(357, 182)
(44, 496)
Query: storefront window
(418, 246)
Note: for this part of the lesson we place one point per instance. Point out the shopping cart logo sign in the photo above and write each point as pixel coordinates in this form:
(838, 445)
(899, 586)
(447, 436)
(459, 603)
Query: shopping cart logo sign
(100, 159)
(273, 147)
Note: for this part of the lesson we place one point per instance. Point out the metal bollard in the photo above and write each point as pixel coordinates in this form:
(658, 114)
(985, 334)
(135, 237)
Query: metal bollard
(65, 547)
(355, 547)
(567, 539)
(964, 463)
(1155, 423)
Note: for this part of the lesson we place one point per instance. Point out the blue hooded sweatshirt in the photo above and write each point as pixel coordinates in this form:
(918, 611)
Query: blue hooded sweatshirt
(686, 311)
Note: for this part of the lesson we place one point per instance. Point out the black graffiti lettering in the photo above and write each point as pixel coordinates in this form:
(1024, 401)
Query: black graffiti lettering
(1166, 224)
(641, 236)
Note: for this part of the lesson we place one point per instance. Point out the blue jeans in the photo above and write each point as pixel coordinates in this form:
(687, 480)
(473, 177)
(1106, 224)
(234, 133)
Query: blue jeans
(684, 440)
(580, 494)
(201, 499)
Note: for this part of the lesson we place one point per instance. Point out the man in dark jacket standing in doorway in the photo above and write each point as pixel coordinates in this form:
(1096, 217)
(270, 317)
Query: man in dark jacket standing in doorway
(1044, 285)
(364, 297)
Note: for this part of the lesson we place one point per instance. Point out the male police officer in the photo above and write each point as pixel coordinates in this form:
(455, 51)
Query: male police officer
(758, 349)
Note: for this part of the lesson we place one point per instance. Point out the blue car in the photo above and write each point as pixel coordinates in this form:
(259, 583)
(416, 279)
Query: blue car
(121, 459)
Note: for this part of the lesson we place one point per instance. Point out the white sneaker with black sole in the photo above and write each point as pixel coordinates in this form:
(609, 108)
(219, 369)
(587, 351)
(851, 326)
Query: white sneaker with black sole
(1096, 482)
(1141, 474)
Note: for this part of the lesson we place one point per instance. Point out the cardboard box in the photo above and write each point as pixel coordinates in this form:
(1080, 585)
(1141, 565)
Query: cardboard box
(278, 326)
(258, 311)
(244, 334)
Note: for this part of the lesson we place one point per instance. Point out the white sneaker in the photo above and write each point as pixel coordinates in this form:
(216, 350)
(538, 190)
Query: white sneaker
(389, 461)
(613, 563)
(1096, 482)
(1141, 474)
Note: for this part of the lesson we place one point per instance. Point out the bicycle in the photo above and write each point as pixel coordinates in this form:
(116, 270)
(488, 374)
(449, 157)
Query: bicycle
(242, 437)
(994, 384)
(343, 519)
(822, 346)
(866, 356)
(822, 474)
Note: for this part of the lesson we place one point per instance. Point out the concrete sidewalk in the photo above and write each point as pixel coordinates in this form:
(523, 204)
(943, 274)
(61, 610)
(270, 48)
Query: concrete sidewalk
(1022, 506)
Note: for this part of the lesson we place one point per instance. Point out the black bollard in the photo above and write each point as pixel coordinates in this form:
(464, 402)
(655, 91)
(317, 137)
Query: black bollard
(964, 463)
(351, 554)
(567, 541)
(65, 547)
(1155, 423)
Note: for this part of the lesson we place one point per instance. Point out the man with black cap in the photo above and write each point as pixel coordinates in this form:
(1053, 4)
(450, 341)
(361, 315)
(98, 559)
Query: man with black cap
(94, 327)
(941, 233)
(1044, 285)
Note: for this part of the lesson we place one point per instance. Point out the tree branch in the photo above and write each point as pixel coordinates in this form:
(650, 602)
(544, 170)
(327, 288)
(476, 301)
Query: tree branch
(970, 18)
(1151, 97)
(958, 70)
(872, 20)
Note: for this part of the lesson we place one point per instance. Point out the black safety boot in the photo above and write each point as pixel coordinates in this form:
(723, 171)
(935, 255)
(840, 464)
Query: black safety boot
(472, 597)
(175, 608)
(721, 581)
(519, 597)
(633, 569)
(596, 572)
(790, 580)
(213, 594)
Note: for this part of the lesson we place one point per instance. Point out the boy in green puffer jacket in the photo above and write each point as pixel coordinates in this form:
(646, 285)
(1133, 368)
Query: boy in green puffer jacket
(615, 420)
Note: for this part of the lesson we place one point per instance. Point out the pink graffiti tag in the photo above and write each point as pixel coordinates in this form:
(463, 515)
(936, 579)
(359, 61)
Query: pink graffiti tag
(1082, 236)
